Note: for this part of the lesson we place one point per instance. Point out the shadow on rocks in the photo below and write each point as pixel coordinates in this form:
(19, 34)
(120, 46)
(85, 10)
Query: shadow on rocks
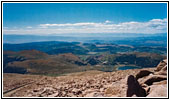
(134, 88)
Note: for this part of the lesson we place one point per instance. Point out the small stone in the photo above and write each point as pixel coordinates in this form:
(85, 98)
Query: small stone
(36, 90)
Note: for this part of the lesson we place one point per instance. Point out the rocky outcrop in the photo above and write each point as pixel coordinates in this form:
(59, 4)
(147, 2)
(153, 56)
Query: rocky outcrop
(147, 82)
(162, 65)
(150, 84)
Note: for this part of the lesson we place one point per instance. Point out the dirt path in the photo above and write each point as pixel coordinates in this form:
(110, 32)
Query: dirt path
(13, 90)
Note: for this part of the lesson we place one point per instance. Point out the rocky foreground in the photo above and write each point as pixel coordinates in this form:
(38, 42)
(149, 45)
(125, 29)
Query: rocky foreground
(148, 82)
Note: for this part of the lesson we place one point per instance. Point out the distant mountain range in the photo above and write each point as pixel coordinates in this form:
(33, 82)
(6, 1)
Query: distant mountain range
(94, 48)
(85, 37)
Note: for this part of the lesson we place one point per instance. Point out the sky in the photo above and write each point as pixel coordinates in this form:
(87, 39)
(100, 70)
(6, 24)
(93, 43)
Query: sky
(68, 18)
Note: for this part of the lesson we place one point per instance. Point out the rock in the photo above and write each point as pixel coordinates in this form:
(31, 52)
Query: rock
(53, 95)
(134, 88)
(70, 95)
(101, 89)
(149, 80)
(89, 95)
(144, 85)
(36, 90)
(76, 91)
(117, 89)
(160, 73)
(29, 95)
(161, 70)
(147, 89)
(158, 91)
(160, 83)
(63, 93)
(97, 94)
(161, 65)
(165, 60)
(94, 94)
(164, 68)
(143, 73)
(112, 91)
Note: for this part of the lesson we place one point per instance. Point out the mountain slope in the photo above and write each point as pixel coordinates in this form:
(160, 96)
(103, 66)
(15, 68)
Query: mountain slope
(36, 62)
(126, 83)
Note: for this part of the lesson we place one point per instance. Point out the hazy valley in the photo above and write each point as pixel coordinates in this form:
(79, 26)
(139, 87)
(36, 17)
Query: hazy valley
(60, 57)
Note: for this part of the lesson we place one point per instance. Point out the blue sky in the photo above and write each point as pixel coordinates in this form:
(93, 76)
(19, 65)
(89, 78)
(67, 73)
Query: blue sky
(54, 18)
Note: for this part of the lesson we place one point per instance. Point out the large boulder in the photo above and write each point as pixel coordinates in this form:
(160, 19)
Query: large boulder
(143, 73)
(134, 88)
(158, 91)
(149, 80)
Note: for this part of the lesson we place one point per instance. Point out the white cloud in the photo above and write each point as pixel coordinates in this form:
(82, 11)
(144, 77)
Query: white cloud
(28, 27)
(68, 24)
(107, 21)
(149, 27)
